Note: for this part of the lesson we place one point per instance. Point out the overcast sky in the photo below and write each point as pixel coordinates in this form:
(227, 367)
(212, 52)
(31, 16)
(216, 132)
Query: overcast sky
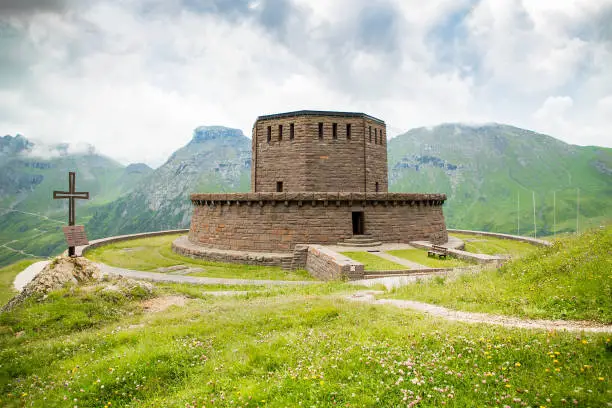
(135, 77)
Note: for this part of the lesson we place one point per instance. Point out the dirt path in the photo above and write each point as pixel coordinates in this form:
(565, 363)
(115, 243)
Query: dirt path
(469, 317)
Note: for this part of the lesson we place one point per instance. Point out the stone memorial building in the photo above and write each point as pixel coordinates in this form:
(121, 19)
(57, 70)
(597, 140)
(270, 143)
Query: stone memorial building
(316, 178)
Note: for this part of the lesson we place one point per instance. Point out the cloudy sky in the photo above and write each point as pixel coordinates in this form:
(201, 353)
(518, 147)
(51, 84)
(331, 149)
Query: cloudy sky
(134, 77)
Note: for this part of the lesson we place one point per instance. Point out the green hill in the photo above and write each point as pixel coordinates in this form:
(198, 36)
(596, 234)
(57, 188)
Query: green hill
(30, 220)
(491, 173)
(571, 280)
(217, 159)
(484, 170)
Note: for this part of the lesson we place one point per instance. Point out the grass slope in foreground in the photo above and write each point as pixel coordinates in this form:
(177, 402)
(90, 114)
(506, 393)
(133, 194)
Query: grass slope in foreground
(570, 280)
(91, 348)
(148, 254)
(7, 277)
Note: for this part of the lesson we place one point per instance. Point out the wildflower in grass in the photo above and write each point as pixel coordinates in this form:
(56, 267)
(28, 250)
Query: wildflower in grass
(517, 364)
(585, 341)
(600, 378)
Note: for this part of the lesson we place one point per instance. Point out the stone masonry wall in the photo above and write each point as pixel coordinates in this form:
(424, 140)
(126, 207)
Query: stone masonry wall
(308, 163)
(279, 221)
(325, 264)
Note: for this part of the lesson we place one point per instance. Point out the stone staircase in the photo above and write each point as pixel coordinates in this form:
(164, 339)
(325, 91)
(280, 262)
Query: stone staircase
(364, 240)
(287, 263)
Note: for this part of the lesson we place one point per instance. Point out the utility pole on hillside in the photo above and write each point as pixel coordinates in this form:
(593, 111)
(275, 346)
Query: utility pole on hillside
(554, 214)
(577, 208)
(518, 213)
(535, 234)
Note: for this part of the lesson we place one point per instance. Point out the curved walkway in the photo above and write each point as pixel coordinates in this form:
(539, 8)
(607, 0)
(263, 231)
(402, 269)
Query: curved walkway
(30, 272)
(195, 280)
(469, 317)
(25, 276)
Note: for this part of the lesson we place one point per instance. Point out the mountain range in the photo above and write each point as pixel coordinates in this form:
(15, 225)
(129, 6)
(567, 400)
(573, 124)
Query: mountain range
(493, 174)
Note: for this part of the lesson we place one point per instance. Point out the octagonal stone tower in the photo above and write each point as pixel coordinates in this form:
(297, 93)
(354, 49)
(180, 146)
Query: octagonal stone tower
(319, 151)
(317, 178)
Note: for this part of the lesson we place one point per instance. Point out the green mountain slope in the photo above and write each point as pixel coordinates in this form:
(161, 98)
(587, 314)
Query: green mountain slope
(217, 159)
(491, 173)
(30, 220)
(484, 170)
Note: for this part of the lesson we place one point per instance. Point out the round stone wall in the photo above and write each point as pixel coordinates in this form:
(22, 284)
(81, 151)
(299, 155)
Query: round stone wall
(276, 222)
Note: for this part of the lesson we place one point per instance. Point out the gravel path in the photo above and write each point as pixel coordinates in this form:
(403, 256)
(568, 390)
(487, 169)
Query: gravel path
(31, 271)
(364, 296)
(469, 317)
(25, 276)
(196, 280)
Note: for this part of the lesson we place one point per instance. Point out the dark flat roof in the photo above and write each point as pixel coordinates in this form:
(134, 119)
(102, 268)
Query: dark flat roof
(320, 113)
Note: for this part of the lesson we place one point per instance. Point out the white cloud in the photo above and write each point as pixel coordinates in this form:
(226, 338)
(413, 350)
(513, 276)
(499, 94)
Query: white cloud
(134, 78)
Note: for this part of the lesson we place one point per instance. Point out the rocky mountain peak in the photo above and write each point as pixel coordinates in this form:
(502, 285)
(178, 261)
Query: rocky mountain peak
(204, 133)
(11, 145)
(141, 168)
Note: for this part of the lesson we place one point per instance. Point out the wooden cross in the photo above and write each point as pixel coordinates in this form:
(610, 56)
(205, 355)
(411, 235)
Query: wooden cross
(71, 195)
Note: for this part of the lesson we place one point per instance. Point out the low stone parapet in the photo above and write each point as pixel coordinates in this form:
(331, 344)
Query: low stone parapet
(81, 250)
(325, 264)
(183, 246)
(314, 198)
(529, 240)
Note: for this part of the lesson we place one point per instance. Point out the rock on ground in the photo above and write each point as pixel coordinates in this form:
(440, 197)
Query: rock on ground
(60, 271)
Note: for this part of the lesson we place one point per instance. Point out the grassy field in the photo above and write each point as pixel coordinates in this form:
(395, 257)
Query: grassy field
(7, 276)
(302, 346)
(479, 244)
(420, 256)
(372, 262)
(149, 254)
(571, 280)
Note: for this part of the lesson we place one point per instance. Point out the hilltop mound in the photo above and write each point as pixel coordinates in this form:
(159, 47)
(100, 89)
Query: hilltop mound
(78, 271)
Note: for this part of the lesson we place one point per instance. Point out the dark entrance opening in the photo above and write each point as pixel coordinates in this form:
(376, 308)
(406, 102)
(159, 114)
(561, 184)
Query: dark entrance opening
(358, 223)
(279, 186)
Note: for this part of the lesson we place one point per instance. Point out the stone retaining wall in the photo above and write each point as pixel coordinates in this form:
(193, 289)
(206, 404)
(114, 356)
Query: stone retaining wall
(534, 241)
(182, 246)
(81, 250)
(278, 221)
(325, 264)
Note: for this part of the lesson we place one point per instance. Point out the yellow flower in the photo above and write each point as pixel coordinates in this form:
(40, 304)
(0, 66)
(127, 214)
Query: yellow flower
(600, 378)
(508, 385)
(558, 369)
(321, 382)
(517, 364)
(585, 341)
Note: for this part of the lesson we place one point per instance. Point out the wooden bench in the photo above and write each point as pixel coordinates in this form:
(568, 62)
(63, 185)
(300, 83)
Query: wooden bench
(437, 250)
